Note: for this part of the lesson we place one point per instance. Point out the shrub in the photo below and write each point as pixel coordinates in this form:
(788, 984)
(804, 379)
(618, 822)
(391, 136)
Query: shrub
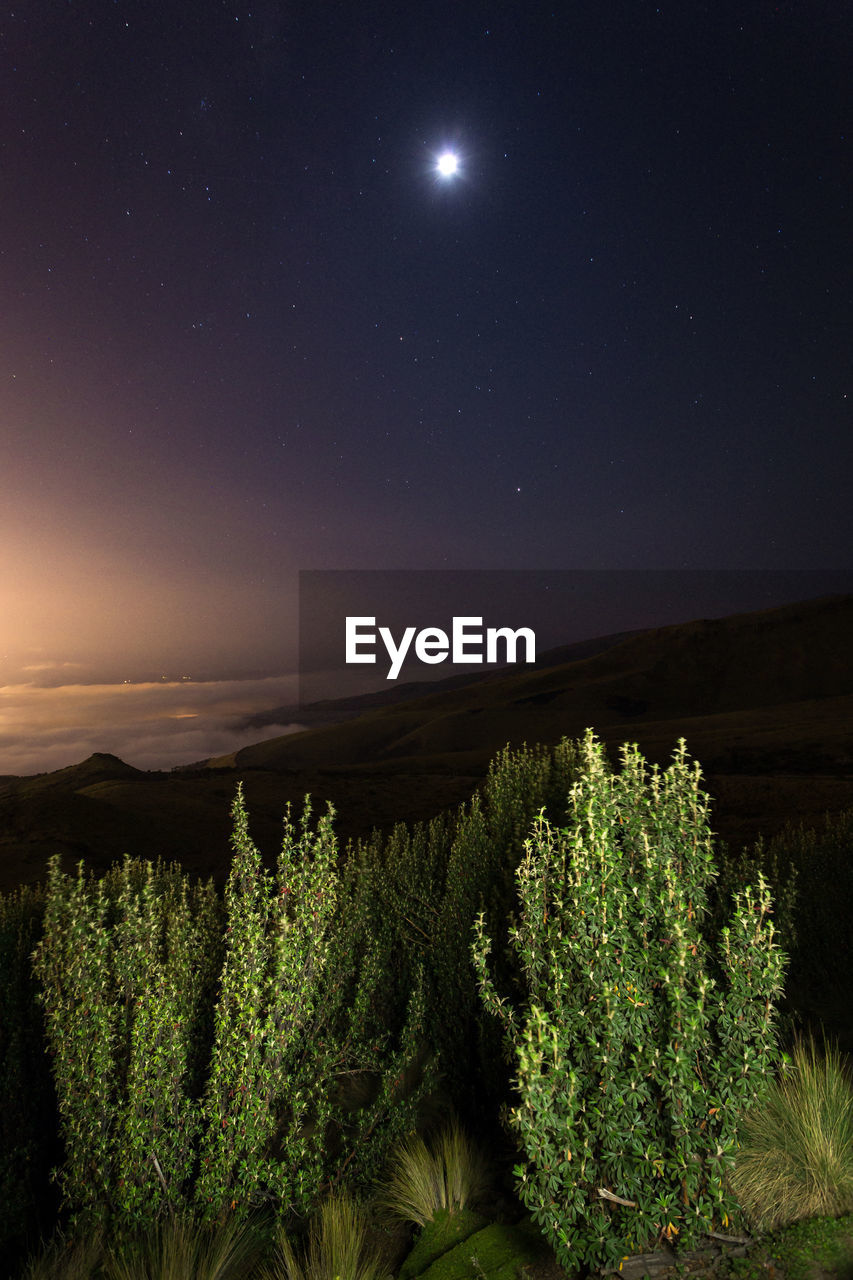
(820, 861)
(126, 966)
(635, 1048)
(411, 901)
(196, 1075)
(28, 1120)
(796, 1153)
(293, 1026)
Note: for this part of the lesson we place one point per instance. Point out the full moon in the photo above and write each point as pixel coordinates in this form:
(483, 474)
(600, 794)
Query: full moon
(448, 164)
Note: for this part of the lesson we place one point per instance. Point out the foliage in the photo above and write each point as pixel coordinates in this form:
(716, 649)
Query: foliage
(126, 965)
(819, 861)
(292, 1025)
(481, 868)
(635, 1048)
(796, 1154)
(449, 1173)
(337, 1248)
(27, 1100)
(412, 898)
(194, 1072)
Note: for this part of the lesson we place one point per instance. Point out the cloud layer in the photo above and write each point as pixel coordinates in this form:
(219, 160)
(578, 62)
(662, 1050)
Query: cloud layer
(149, 725)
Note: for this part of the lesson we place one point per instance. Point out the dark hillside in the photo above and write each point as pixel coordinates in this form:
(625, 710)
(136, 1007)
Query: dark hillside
(764, 701)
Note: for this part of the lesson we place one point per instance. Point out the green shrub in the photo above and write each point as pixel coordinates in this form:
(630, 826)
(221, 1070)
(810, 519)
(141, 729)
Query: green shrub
(126, 967)
(481, 867)
(820, 862)
(215, 1075)
(28, 1119)
(293, 1028)
(796, 1152)
(635, 1048)
(411, 901)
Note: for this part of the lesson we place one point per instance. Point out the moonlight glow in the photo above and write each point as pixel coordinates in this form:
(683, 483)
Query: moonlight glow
(448, 164)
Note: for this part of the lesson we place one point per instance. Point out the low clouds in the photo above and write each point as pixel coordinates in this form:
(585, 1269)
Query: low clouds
(153, 725)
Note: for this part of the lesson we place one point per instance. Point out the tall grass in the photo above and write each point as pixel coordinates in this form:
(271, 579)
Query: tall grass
(796, 1154)
(66, 1259)
(449, 1174)
(337, 1248)
(184, 1250)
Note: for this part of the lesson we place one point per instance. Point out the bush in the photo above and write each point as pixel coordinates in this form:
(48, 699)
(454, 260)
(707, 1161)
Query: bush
(28, 1120)
(411, 899)
(196, 1075)
(635, 1047)
(295, 1027)
(126, 966)
(820, 862)
(796, 1154)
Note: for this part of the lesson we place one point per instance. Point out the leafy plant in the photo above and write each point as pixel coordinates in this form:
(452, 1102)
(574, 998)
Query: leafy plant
(293, 1029)
(635, 1047)
(28, 1121)
(450, 1173)
(126, 967)
(796, 1154)
(411, 899)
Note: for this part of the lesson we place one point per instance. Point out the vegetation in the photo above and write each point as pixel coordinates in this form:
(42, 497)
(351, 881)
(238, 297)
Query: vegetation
(796, 1152)
(272, 1050)
(337, 1248)
(27, 1098)
(635, 1049)
(178, 1249)
(449, 1174)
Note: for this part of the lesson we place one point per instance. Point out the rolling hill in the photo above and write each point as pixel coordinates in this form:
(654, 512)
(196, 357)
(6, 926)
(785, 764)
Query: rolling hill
(764, 701)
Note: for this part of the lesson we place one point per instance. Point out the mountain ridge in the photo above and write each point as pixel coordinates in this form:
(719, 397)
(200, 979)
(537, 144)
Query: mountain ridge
(764, 701)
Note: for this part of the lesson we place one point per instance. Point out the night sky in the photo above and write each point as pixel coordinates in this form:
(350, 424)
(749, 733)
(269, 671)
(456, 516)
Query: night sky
(248, 328)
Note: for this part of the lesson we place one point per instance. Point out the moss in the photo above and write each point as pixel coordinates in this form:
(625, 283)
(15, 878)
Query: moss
(817, 1249)
(446, 1230)
(498, 1252)
(821, 1246)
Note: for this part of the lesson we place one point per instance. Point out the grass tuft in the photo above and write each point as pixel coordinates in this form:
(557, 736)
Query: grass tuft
(796, 1155)
(179, 1250)
(65, 1259)
(451, 1174)
(337, 1248)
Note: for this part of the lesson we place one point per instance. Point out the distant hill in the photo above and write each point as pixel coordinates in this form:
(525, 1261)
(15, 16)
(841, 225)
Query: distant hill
(764, 701)
(336, 710)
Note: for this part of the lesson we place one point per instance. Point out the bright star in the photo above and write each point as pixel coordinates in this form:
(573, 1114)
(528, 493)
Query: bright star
(448, 164)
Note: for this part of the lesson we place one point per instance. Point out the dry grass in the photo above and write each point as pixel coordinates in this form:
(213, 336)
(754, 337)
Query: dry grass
(337, 1248)
(796, 1155)
(449, 1174)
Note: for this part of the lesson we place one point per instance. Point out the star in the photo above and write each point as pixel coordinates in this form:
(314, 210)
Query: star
(447, 164)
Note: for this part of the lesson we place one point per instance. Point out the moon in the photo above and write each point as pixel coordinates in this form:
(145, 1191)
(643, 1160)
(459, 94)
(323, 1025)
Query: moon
(448, 164)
